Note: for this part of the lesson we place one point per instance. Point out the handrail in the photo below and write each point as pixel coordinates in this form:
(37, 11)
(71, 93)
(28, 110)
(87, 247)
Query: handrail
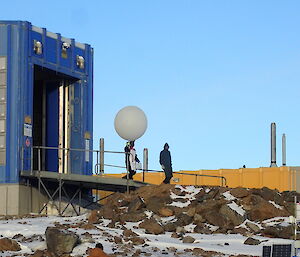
(223, 179)
(72, 149)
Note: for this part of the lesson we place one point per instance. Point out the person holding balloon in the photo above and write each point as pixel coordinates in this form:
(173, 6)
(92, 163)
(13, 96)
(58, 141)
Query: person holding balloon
(131, 159)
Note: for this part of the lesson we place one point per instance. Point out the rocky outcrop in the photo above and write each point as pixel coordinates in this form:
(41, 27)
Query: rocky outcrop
(210, 209)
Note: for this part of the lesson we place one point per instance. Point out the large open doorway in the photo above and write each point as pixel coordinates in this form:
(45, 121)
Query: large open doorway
(53, 94)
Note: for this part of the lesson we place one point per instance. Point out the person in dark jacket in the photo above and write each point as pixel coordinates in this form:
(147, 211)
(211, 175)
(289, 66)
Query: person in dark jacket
(166, 163)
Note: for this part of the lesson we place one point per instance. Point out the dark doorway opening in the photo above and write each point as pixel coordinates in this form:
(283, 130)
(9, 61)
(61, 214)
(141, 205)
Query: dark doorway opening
(52, 99)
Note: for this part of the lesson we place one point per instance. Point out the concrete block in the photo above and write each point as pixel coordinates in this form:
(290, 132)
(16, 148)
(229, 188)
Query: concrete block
(3, 200)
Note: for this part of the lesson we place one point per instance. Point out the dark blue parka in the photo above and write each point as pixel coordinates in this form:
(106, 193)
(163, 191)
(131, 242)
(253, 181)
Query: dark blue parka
(165, 158)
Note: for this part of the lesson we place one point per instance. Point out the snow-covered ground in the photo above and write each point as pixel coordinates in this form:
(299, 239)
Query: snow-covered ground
(30, 232)
(231, 244)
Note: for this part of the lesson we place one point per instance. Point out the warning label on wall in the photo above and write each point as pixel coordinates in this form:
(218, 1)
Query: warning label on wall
(27, 130)
(27, 142)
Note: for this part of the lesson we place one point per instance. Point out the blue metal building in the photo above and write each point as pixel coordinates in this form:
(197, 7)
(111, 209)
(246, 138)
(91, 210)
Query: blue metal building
(46, 91)
(46, 123)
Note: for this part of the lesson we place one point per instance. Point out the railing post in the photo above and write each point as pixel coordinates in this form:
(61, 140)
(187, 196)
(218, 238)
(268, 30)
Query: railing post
(101, 155)
(97, 164)
(145, 162)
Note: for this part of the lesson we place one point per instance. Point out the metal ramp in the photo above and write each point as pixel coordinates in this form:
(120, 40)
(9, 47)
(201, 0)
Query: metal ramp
(58, 186)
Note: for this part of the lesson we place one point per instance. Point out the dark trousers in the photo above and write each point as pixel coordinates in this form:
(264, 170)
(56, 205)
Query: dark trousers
(131, 172)
(169, 174)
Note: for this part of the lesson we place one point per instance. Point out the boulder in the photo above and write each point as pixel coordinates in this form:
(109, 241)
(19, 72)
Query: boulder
(93, 217)
(88, 226)
(180, 230)
(290, 207)
(137, 253)
(239, 192)
(158, 191)
(152, 227)
(117, 240)
(183, 220)
(279, 232)
(264, 210)
(289, 196)
(232, 215)
(266, 193)
(60, 241)
(170, 227)
(202, 253)
(129, 233)
(137, 240)
(136, 204)
(188, 240)
(109, 212)
(251, 241)
(252, 200)
(155, 204)
(165, 212)
(132, 217)
(202, 229)
(191, 212)
(253, 227)
(218, 219)
(241, 231)
(7, 244)
(209, 205)
(175, 235)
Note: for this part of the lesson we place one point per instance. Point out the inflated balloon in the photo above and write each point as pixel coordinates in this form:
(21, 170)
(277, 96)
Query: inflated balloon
(130, 123)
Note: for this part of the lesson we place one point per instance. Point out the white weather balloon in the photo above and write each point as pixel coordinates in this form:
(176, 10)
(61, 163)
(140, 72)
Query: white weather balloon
(130, 123)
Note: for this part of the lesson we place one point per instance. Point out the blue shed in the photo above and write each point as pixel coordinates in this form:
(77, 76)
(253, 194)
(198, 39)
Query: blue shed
(46, 102)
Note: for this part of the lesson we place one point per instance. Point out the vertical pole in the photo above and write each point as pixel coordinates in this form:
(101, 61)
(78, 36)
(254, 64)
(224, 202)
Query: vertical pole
(273, 144)
(101, 155)
(145, 162)
(39, 196)
(39, 159)
(59, 194)
(79, 200)
(295, 220)
(31, 160)
(283, 150)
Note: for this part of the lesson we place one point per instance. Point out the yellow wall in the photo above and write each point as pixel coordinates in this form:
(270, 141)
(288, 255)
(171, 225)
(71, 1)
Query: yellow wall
(281, 178)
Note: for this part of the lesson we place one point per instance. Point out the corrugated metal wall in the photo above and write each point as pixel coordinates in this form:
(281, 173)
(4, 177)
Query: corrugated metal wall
(281, 178)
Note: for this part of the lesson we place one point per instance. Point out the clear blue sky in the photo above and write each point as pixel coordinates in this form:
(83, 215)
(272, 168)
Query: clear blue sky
(210, 75)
